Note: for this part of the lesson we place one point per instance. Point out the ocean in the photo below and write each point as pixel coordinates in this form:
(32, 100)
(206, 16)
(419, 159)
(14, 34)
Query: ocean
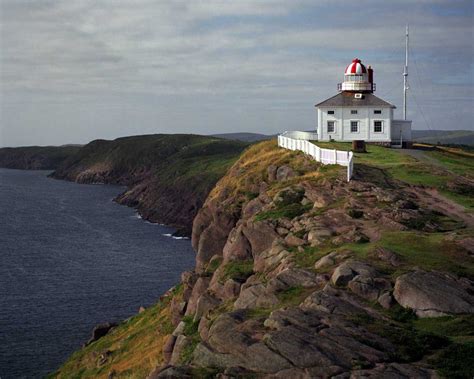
(71, 258)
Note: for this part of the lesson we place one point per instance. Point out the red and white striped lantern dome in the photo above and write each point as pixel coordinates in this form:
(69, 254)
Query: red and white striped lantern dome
(355, 68)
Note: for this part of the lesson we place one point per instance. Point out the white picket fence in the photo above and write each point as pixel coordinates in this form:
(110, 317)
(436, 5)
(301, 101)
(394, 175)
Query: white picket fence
(287, 140)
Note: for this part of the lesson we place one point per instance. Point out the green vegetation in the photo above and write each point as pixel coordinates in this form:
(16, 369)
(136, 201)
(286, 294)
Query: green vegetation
(458, 328)
(36, 157)
(411, 344)
(131, 350)
(455, 362)
(191, 332)
(289, 211)
(237, 270)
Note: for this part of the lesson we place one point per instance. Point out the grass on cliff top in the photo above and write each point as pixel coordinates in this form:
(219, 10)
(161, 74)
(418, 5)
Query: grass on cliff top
(131, 350)
(428, 251)
(251, 169)
(407, 169)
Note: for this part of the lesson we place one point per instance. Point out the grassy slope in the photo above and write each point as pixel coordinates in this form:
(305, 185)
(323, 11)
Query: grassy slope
(416, 249)
(35, 157)
(407, 169)
(132, 349)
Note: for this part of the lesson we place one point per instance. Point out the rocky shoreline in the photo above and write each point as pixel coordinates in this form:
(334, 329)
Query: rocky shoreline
(300, 274)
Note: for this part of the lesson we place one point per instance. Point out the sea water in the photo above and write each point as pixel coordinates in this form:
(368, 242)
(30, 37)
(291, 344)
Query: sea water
(71, 258)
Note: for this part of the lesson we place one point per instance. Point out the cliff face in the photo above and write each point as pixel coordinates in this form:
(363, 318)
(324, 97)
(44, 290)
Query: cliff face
(35, 157)
(300, 274)
(168, 176)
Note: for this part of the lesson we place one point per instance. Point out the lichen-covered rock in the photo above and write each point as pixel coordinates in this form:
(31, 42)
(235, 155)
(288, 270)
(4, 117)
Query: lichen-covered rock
(331, 259)
(369, 288)
(260, 235)
(255, 296)
(296, 277)
(292, 240)
(284, 173)
(199, 289)
(345, 272)
(204, 304)
(434, 294)
(237, 246)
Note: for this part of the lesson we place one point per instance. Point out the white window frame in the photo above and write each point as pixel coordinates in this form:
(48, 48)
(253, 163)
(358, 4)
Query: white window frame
(357, 124)
(377, 111)
(381, 125)
(332, 111)
(333, 126)
(354, 111)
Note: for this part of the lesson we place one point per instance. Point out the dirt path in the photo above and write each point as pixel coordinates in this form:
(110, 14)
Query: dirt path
(421, 155)
(431, 198)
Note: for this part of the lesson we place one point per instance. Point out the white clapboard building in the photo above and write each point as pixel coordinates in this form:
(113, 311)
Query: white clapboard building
(355, 113)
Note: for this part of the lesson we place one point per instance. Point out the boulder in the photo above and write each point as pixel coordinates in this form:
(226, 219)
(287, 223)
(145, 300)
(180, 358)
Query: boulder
(386, 300)
(199, 288)
(319, 234)
(255, 296)
(387, 255)
(292, 240)
(284, 173)
(296, 277)
(331, 259)
(253, 207)
(168, 348)
(348, 270)
(231, 289)
(369, 288)
(271, 173)
(237, 246)
(434, 294)
(204, 304)
(100, 331)
(312, 339)
(270, 258)
(179, 346)
(260, 235)
(232, 343)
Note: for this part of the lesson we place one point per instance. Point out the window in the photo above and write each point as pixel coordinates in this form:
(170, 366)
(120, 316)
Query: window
(354, 126)
(331, 126)
(330, 112)
(354, 111)
(377, 111)
(378, 126)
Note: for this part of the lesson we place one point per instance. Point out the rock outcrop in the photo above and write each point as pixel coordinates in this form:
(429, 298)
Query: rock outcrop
(433, 294)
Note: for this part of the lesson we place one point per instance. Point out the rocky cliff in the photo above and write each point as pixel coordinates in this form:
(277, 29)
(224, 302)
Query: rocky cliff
(300, 274)
(36, 157)
(168, 176)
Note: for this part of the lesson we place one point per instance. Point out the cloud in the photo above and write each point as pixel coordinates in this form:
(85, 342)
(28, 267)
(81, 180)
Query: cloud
(189, 57)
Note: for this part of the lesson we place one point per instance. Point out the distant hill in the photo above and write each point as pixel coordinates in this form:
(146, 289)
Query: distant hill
(246, 137)
(36, 157)
(445, 137)
(168, 175)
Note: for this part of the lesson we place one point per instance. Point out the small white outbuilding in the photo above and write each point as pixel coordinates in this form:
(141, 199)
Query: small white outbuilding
(355, 113)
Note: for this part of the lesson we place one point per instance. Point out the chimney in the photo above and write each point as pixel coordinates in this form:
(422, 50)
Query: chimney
(371, 77)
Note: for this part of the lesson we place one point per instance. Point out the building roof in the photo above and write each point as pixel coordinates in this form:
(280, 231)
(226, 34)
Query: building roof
(347, 99)
(356, 67)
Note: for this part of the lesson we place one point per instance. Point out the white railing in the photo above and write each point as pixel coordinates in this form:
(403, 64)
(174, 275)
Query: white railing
(325, 156)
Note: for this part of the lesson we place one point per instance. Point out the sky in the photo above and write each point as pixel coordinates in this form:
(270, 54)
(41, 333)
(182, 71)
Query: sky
(74, 71)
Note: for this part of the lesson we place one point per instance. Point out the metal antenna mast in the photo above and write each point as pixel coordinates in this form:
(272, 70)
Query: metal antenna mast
(405, 76)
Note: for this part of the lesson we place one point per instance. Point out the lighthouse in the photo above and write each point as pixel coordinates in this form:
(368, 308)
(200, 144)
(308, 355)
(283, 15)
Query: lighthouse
(357, 78)
(355, 113)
